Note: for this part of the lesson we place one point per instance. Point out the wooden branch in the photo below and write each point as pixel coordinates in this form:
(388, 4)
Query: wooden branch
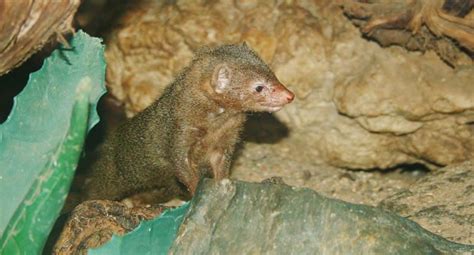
(27, 25)
(418, 25)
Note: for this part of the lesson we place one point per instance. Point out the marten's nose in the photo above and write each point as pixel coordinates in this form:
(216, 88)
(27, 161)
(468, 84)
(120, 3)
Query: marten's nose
(290, 96)
(284, 95)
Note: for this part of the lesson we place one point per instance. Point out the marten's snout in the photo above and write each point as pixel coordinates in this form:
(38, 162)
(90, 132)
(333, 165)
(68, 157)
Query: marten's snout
(284, 95)
(290, 96)
(275, 97)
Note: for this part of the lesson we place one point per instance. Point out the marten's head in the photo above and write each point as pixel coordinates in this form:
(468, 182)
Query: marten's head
(241, 80)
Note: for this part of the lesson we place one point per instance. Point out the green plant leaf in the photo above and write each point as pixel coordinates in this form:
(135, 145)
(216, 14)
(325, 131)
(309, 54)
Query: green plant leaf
(35, 216)
(150, 237)
(40, 142)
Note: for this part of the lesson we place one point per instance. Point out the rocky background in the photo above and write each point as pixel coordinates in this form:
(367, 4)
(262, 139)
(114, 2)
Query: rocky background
(384, 109)
(358, 106)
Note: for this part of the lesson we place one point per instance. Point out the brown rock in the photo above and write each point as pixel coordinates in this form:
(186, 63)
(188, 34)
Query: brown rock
(441, 203)
(93, 223)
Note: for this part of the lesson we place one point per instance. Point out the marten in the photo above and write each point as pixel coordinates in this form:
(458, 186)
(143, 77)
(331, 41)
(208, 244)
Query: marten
(191, 131)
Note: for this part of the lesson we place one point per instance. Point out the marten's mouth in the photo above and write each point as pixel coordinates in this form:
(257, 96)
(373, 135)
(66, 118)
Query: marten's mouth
(274, 108)
(271, 108)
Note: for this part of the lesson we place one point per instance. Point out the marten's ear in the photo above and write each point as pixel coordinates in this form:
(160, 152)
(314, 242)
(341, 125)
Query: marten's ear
(221, 78)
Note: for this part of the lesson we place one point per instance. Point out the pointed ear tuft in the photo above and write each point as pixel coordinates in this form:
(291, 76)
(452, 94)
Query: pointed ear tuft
(244, 44)
(222, 77)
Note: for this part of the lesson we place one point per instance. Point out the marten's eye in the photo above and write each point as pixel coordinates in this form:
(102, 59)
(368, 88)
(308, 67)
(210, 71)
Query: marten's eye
(259, 88)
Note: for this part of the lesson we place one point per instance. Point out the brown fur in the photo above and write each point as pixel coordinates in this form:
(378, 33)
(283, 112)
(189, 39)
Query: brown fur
(191, 130)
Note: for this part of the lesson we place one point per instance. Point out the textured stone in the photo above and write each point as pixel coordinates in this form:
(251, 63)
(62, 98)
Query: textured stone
(442, 202)
(358, 105)
(248, 218)
(233, 217)
(93, 223)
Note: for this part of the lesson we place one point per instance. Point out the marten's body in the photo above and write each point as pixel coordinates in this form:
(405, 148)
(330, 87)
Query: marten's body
(191, 130)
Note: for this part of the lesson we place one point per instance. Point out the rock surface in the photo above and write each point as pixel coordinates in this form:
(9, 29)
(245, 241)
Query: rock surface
(432, 199)
(234, 217)
(247, 218)
(93, 223)
(442, 202)
(358, 105)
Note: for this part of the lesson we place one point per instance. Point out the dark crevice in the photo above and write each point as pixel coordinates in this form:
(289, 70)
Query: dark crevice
(414, 169)
(12, 83)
